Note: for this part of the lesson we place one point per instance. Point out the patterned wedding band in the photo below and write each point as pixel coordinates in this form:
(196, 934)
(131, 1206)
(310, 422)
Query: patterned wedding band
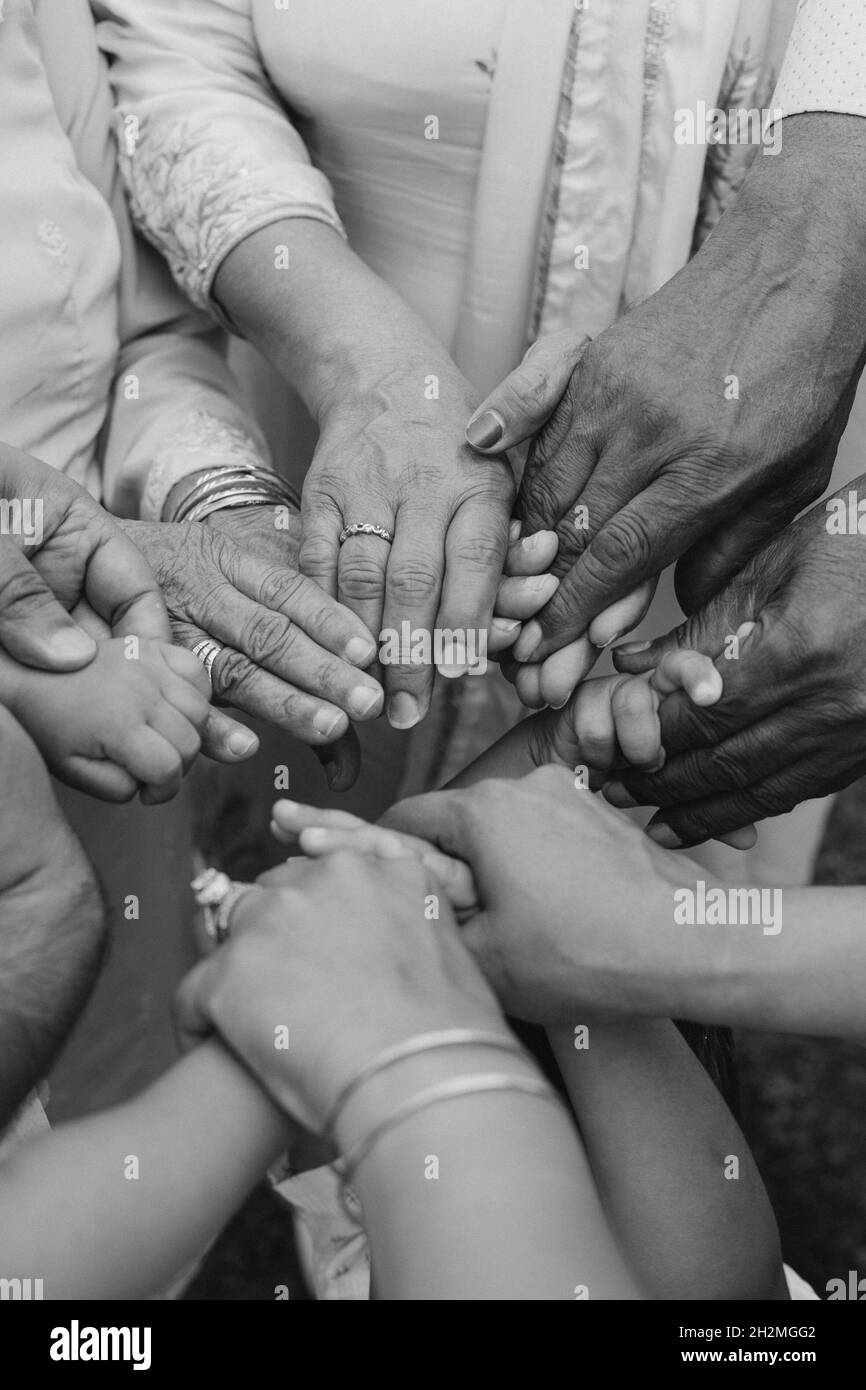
(217, 894)
(365, 528)
(207, 653)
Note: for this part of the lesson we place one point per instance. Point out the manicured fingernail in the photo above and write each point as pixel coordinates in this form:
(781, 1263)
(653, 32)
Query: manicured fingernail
(403, 710)
(71, 644)
(485, 430)
(362, 701)
(527, 642)
(241, 743)
(327, 723)
(628, 647)
(666, 837)
(505, 625)
(514, 531)
(359, 651)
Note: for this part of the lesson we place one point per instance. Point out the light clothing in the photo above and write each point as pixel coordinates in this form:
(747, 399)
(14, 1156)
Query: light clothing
(825, 64)
(107, 374)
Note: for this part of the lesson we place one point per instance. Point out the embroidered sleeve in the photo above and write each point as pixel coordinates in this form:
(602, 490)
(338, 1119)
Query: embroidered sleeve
(207, 152)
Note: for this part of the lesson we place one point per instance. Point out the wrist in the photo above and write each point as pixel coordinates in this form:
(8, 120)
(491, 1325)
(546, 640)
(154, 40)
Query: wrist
(381, 1095)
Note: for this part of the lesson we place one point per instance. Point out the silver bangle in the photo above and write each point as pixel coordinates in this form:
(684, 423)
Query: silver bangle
(452, 1089)
(244, 477)
(230, 498)
(217, 894)
(412, 1047)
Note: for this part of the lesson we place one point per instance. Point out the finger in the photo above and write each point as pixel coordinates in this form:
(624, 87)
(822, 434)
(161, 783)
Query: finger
(226, 740)
(560, 673)
(100, 778)
(634, 706)
(186, 665)
(433, 817)
(589, 716)
(415, 570)
(631, 541)
(289, 818)
(190, 1009)
(527, 683)
(747, 756)
(531, 554)
(451, 874)
(321, 524)
(503, 634)
(34, 628)
(623, 615)
(689, 671)
(155, 762)
(329, 625)
(120, 586)
(238, 681)
(475, 548)
(341, 760)
(714, 817)
(178, 732)
(523, 597)
(518, 407)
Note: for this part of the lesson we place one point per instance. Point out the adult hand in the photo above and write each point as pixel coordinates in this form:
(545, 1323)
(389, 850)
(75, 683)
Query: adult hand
(60, 549)
(791, 721)
(707, 417)
(291, 655)
(566, 887)
(308, 951)
(395, 458)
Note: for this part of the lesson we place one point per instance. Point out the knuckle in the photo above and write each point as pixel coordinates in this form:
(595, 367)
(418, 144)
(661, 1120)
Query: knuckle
(279, 586)
(413, 585)
(621, 546)
(269, 635)
(20, 592)
(231, 674)
(315, 555)
(362, 580)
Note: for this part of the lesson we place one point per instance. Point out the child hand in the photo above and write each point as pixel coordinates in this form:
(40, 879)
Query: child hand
(128, 722)
(614, 721)
(317, 833)
(525, 588)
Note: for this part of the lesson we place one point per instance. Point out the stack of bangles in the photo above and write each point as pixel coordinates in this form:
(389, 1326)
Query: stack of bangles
(452, 1088)
(228, 486)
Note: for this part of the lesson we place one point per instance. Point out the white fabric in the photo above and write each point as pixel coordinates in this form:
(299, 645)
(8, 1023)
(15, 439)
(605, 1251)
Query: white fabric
(825, 65)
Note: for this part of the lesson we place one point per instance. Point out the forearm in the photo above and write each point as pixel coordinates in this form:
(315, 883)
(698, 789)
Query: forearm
(116, 1205)
(327, 323)
(675, 1174)
(435, 1187)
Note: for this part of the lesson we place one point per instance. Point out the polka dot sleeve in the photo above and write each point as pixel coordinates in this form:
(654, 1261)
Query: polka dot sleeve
(825, 63)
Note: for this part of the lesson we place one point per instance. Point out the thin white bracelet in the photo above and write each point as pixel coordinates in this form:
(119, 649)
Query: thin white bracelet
(411, 1047)
(452, 1089)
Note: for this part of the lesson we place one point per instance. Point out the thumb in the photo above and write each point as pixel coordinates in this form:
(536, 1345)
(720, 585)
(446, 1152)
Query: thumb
(522, 404)
(34, 627)
(711, 630)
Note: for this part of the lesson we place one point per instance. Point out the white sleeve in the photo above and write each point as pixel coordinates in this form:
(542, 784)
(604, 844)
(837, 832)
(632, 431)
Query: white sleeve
(825, 62)
(207, 152)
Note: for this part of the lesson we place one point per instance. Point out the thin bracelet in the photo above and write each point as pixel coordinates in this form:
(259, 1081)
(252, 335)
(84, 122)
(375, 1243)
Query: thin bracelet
(242, 475)
(226, 486)
(452, 1089)
(231, 497)
(411, 1047)
(204, 481)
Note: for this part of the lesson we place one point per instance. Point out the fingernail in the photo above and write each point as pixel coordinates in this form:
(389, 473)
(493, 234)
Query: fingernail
(485, 430)
(530, 542)
(327, 723)
(332, 771)
(241, 743)
(505, 625)
(313, 835)
(706, 692)
(71, 644)
(359, 651)
(514, 531)
(362, 701)
(527, 642)
(403, 710)
(745, 629)
(666, 837)
(610, 641)
(628, 647)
